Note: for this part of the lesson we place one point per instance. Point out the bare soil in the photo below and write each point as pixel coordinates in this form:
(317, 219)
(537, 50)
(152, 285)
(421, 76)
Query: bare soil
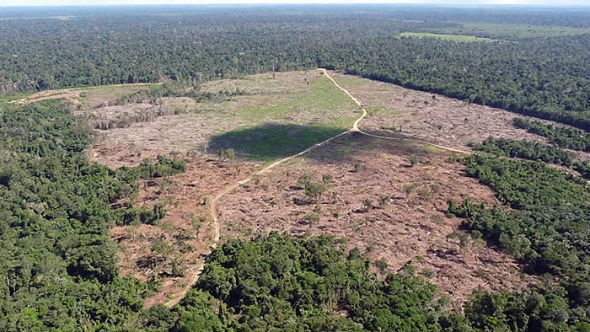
(433, 118)
(94, 96)
(387, 197)
(186, 230)
(379, 202)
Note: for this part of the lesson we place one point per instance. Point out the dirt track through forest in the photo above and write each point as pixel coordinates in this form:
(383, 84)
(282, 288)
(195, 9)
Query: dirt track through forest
(214, 202)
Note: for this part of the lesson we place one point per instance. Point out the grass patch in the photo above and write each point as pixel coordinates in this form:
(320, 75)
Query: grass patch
(455, 38)
(431, 149)
(514, 31)
(321, 104)
(272, 141)
(381, 110)
(289, 123)
(6, 98)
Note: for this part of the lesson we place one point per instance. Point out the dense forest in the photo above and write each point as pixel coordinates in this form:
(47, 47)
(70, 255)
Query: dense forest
(526, 150)
(564, 137)
(58, 264)
(277, 283)
(539, 72)
(547, 230)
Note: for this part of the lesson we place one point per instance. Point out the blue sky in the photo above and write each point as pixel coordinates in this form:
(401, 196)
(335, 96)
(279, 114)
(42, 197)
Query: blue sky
(449, 2)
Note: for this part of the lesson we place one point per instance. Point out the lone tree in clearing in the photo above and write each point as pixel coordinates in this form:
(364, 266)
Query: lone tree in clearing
(312, 189)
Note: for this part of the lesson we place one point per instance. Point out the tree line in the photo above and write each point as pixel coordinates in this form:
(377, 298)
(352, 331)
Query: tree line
(565, 137)
(547, 230)
(526, 150)
(58, 264)
(545, 77)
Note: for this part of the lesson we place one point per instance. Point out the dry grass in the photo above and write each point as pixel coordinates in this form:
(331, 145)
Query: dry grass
(298, 98)
(85, 98)
(186, 228)
(387, 197)
(434, 118)
(389, 209)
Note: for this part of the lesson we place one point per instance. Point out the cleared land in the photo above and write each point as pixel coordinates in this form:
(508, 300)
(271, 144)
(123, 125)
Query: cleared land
(514, 30)
(399, 112)
(456, 38)
(170, 250)
(87, 97)
(387, 197)
(276, 115)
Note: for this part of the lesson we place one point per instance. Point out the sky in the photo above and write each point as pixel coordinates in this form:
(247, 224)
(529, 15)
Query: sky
(139, 2)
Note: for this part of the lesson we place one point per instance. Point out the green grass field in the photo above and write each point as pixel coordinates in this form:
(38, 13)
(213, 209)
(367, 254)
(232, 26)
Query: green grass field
(290, 123)
(13, 96)
(513, 31)
(455, 38)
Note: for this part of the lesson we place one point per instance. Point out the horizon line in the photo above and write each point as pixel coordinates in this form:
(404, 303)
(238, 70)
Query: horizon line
(292, 3)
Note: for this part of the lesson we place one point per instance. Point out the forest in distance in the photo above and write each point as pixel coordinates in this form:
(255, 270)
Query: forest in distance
(58, 265)
(541, 71)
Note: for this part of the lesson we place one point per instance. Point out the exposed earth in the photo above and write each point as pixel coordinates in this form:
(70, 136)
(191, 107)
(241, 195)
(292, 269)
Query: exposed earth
(387, 197)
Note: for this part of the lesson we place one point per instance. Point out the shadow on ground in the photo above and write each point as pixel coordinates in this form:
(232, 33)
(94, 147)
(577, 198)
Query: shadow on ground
(275, 141)
(271, 141)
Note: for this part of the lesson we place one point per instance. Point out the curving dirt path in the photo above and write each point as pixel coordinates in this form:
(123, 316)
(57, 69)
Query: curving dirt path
(215, 200)
(71, 94)
(355, 126)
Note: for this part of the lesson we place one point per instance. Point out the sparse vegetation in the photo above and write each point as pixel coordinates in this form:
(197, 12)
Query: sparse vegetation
(135, 215)
(414, 160)
(312, 189)
(437, 219)
(368, 204)
(357, 167)
(424, 194)
(428, 273)
(226, 154)
(408, 189)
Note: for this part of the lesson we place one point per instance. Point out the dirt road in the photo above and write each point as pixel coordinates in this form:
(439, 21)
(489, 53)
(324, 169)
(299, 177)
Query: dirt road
(213, 204)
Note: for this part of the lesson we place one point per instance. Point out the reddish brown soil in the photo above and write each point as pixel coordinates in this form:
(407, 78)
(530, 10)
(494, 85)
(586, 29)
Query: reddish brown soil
(376, 198)
(375, 209)
(433, 118)
(116, 155)
(186, 228)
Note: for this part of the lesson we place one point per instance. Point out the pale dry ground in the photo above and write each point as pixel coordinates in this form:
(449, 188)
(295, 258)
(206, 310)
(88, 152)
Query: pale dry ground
(406, 224)
(190, 196)
(352, 131)
(275, 96)
(186, 228)
(390, 210)
(433, 118)
(93, 96)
